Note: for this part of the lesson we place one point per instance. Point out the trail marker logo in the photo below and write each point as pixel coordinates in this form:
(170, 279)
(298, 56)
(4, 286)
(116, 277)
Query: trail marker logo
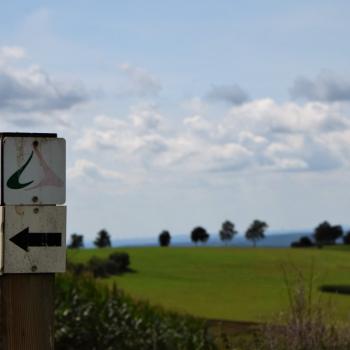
(49, 178)
(29, 177)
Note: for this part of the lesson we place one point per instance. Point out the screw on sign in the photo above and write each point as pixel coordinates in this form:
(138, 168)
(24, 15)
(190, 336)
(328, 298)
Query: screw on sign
(33, 242)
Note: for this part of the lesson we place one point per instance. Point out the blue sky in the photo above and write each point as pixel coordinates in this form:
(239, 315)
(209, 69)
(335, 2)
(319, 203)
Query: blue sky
(185, 113)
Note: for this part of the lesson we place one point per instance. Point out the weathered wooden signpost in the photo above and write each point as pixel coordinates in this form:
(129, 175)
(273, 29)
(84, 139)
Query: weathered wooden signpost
(32, 237)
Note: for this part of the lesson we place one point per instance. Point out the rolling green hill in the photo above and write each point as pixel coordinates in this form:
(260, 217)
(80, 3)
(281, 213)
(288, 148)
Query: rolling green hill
(226, 283)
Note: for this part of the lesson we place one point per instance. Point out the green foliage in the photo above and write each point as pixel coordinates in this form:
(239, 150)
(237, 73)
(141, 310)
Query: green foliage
(98, 267)
(121, 259)
(304, 242)
(325, 233)
(256, 231)
(116, 264)
(334, 288)
(227, 231)
(164, 239)
(346, 238)
(76, 241)
(103, 239)
(88, 316)
(199, 234)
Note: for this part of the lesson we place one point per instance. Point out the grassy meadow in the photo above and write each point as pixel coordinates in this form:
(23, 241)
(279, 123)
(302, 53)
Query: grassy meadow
(243, 284)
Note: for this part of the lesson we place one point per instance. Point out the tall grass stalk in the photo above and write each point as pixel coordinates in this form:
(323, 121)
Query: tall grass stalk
(308, 324)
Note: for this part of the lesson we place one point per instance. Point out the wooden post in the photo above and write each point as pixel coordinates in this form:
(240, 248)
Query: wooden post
(27, 311)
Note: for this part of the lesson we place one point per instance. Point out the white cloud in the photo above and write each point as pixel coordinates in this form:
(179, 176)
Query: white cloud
(269, 117)
(139, 82)
(29, 96)
(86, 168)
(32, 89)
(260, 135)
(10, 53)
(146, 118)
(198, 123)
(196, 105)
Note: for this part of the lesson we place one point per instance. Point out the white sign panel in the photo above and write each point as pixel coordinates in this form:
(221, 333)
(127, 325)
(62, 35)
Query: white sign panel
(34, 170)
(34, 239)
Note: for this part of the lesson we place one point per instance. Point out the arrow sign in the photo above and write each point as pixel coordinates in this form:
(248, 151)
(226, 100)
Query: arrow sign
(24, 239)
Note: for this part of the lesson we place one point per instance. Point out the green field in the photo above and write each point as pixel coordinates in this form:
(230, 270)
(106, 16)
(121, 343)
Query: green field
(225, 283)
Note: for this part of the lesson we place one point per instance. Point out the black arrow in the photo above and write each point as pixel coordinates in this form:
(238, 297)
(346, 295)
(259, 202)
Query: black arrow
(24, 239)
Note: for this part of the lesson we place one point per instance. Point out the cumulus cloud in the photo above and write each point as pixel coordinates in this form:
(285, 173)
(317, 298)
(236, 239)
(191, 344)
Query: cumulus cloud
(326, 87)
(32, 89)
(138, 82)
(231, 94)
(11, 52)
(267, 117)
(260, 135)
(86, 168)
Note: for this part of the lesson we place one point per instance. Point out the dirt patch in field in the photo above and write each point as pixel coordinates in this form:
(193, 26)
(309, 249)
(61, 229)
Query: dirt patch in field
(232, 327)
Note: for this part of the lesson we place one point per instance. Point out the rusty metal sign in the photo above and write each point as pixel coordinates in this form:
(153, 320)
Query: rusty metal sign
(33, 170)
(34, 239)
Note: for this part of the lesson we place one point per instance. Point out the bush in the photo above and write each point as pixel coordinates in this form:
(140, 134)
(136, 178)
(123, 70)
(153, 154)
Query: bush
(339, 289)
(98, 267)
(122, 260)
(76, 269)
(88, 316)
(116, 264)
(304, 242)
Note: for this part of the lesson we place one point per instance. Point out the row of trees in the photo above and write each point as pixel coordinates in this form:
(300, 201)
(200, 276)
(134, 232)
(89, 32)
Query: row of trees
(102, 240)
(254, 233)
(324, 234)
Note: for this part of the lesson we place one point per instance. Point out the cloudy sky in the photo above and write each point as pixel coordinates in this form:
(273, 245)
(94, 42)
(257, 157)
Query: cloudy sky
(187, 112)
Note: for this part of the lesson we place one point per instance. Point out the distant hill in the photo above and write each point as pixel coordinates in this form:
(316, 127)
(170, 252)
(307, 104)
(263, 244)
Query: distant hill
(273, 239)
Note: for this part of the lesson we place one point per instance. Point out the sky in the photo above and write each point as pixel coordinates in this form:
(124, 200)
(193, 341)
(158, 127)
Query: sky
(179, 114)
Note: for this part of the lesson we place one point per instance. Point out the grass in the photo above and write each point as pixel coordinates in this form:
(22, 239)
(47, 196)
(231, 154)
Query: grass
(225, 283)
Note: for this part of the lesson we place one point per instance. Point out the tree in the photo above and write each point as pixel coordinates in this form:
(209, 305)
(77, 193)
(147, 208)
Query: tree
(103, 239)
(227, 231)
(337, 232)
(199, 234)
(346, 238)
(256, 231)
(325, 233)
(76, 241)
(164, 238)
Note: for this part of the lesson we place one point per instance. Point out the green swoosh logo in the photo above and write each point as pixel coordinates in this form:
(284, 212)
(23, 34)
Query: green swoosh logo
(13, 181)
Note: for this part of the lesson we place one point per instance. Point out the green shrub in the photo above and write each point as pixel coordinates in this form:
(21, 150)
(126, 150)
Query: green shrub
(121, 259)
(339, 289)
(91, 317)
(97, 267)
(117, 263)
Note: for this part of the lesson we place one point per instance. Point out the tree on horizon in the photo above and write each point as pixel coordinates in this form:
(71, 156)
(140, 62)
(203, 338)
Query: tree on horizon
(256, 231)
(199, 234)
(164, 238)
(346, 238)
(76, 241)
(325, 233)
(227, 231)
(103, 239)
